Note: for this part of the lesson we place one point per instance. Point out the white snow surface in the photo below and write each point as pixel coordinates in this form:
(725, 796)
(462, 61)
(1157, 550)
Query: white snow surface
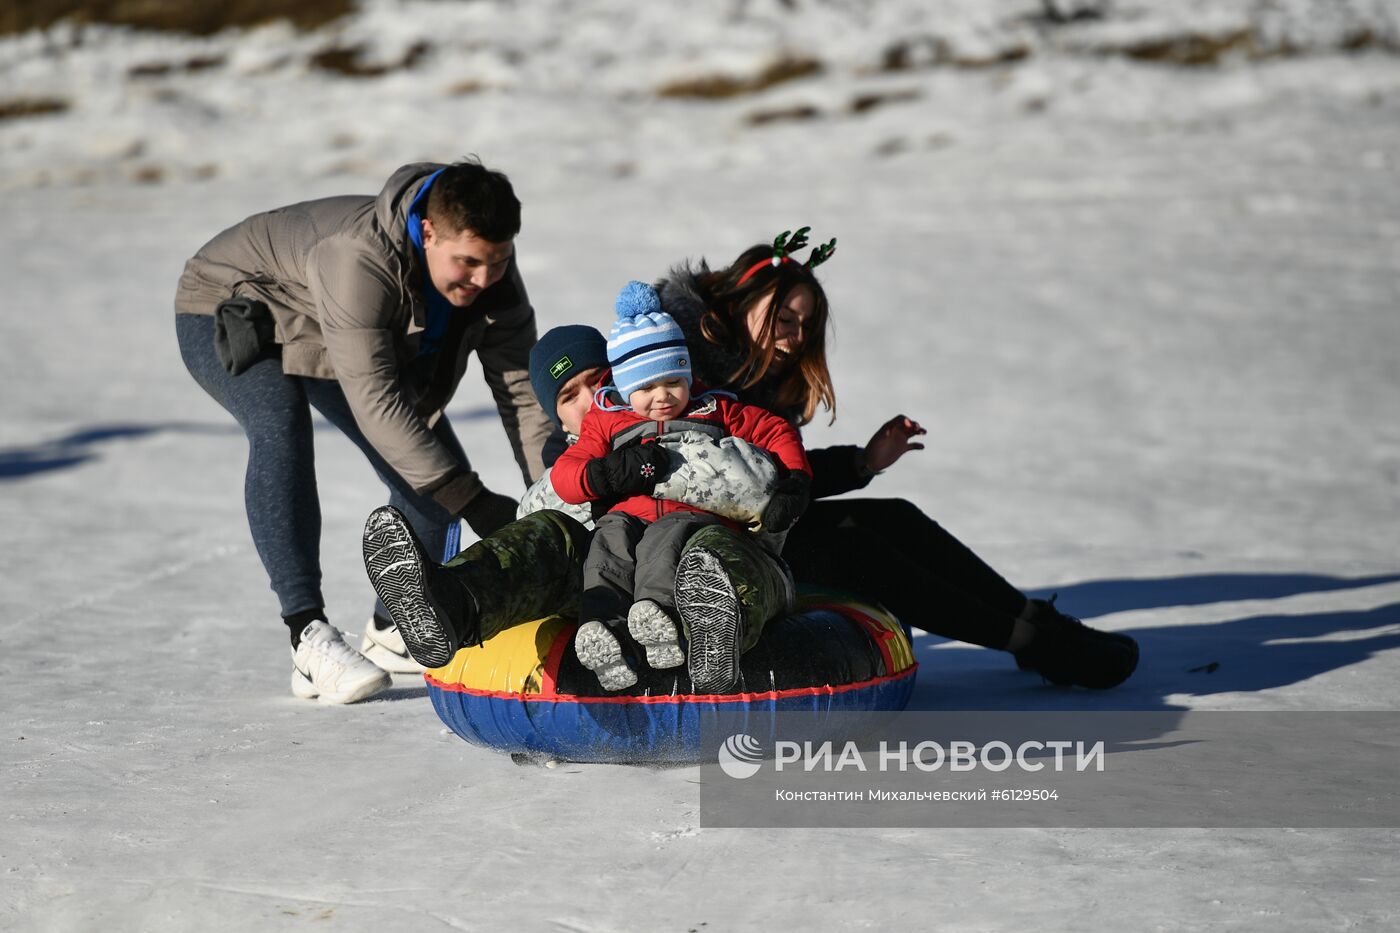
(1149, 313)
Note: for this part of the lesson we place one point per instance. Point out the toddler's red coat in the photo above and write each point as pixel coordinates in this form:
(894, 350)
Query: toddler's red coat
(759, 427)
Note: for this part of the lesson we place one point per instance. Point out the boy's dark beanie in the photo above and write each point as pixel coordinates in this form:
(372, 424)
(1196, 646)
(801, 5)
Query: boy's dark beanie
(560, 354)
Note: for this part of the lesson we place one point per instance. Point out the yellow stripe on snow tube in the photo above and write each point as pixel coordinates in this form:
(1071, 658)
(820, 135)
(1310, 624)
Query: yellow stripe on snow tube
(525, 691)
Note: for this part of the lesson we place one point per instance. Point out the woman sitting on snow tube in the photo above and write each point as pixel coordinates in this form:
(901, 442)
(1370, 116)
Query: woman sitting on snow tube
(758, 328)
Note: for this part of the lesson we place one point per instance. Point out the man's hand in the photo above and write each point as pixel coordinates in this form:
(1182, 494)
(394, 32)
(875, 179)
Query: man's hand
(891, 442)
(790, 497)
(488, 512)
(627, 472)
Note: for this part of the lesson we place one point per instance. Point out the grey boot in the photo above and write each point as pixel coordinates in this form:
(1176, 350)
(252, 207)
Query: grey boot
(654, 629)
(599, 650)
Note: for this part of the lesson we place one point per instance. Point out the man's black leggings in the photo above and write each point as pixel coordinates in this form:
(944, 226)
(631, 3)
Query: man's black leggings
(279, 488)
(888, 551)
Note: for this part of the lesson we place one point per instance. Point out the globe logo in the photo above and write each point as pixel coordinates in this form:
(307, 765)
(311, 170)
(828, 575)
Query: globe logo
(740, 756)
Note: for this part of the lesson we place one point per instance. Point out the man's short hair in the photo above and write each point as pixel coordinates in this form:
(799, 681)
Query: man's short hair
(469, 196)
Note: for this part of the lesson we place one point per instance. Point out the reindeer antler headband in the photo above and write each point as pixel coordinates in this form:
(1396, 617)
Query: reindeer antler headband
(784, 247)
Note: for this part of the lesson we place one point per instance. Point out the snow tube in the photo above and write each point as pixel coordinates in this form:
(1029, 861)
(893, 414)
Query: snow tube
(525, 692)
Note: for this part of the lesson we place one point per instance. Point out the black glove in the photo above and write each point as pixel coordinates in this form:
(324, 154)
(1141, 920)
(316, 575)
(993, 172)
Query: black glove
(790, 497)
(627, 472)
(488, 512)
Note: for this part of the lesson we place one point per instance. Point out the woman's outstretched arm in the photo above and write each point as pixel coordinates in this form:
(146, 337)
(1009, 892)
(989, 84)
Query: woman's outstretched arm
(848, 467)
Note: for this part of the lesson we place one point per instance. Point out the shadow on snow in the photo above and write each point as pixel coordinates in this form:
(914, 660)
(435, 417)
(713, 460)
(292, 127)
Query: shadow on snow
(1248, 654)
(81, 447)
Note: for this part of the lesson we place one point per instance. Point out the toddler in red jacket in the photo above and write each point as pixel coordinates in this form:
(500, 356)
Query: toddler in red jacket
(629, 575)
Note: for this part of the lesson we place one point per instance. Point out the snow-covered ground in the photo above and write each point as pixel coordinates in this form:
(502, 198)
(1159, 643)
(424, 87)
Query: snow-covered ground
(1149, 313)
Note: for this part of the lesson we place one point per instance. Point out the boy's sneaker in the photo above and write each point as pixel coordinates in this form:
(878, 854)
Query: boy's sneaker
(654, 629)
(1066, 652)
(433, 611)
(599, 650)
(712, 618)
(383, 645)
(325, 667)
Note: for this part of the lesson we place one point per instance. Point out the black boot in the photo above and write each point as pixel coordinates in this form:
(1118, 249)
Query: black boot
(713, 620)
(435, 612)
(1065, 651)
(727, 589)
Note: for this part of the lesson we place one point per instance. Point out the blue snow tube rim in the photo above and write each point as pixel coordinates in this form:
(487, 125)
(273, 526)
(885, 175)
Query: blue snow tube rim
(505, 694)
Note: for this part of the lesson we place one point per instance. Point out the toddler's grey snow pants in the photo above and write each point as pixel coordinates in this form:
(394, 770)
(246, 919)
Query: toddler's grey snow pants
(631, 560)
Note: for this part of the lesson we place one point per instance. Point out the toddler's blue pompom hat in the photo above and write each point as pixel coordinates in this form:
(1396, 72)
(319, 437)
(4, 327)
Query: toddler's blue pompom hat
(646, 344)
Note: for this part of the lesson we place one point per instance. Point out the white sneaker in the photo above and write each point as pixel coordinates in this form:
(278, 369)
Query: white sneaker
(385, 647)
(324, 666)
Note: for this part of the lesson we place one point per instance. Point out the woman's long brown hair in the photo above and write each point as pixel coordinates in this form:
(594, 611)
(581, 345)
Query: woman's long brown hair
(807, 382)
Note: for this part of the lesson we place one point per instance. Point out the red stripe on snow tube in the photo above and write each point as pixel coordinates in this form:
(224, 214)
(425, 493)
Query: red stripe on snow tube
(525, 691)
